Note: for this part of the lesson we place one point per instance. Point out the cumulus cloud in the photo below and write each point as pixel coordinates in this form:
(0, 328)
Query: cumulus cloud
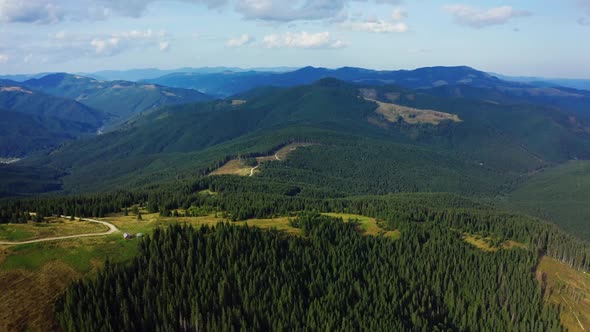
(3, 58)
(108, 47)
(53, 11)
(242, 40)
(60, 35)
(118, 42)
(480, 18)
(399, 14)
(393, 24)
(164, 46)
(290, 10)
(302, 40)
(30, 11)
(379, 26)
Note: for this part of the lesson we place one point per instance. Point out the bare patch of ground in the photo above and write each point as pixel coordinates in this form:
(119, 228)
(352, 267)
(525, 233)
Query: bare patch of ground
(27, 297)
(239, 167)
(392, 113)
(568, 288)
(14, 89)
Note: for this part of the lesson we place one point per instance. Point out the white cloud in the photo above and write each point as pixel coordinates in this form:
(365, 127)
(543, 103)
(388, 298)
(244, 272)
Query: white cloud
(28, 58)
(54, 11)
(399, 14)
(242, 40)
(107, 47)
(3, 58)
(164, 46)
(379, 26)
(479, 18)
(121, 41)
(302, 40)
(60, 35)
(29, 11)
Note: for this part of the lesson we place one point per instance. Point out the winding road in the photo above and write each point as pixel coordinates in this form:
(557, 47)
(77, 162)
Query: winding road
(112, 229)
(260, 164)
(253, 169)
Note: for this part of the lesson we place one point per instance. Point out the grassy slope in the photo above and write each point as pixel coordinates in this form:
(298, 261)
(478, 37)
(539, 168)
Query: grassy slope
(53, 227)
(568, 288)
(559, 195)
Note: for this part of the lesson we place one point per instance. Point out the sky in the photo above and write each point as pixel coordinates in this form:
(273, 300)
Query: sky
(526, 37)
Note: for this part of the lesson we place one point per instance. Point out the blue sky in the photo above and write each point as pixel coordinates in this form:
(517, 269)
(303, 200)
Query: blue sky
(526, 37)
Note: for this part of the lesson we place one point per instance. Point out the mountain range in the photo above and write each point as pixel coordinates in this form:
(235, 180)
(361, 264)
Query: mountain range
(449, 129)
(60, 107)
(452, 81)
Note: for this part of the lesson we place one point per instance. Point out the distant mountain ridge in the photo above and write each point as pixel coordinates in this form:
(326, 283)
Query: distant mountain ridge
(581, 84)
(122, 99)
(230, 82)
(59, 107)
(33, 121)
(461, 81)
(151, 73)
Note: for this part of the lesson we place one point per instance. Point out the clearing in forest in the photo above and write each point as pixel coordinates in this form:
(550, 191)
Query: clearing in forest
(240, 167)
(487, 243)
(392, 113)
(369, 226)
(568, 288)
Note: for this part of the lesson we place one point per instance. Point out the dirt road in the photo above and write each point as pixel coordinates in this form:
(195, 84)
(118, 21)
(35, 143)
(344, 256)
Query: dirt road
(112, 229)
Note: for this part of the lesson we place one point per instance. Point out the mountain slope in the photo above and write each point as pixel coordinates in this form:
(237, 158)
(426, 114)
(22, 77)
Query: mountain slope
(33, 121)
(120, 98)
(22, 134)
(485, 151)
(15, 97)
(462, 81)
(228, 83)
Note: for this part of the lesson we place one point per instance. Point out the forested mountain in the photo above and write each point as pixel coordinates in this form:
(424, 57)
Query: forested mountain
(33, 121)
(121, 98)
(17, 97)
(231, 82)
(424, 163)
(491, 144)
(462, 82)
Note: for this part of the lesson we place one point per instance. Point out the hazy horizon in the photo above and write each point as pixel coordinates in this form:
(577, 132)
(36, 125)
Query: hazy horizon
(97, 35)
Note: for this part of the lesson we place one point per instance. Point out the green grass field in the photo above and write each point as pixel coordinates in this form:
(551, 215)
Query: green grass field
(487, 243)
(369, 226)
(53, 227)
